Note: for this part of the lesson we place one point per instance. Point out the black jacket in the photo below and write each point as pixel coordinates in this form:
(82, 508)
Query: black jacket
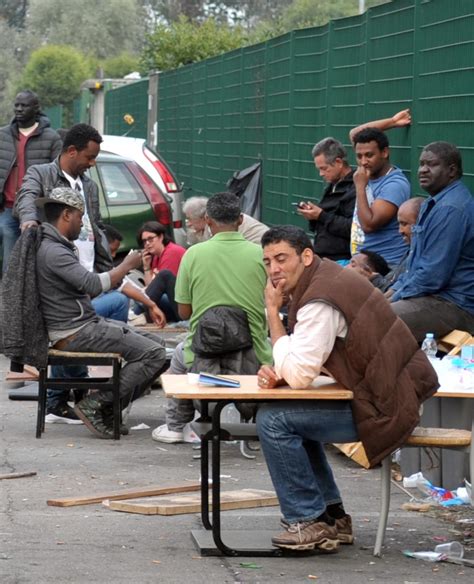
(332, 231)
(42, 146)
(39, 181)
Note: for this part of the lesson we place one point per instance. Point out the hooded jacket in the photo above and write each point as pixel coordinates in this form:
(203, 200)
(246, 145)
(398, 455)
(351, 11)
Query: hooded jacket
(43, 145)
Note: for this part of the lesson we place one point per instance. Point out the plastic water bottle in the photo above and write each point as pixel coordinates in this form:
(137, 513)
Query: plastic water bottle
(429, 346)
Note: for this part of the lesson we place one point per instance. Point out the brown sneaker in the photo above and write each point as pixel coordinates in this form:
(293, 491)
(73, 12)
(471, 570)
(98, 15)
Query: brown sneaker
(344, 530)
(308, 535)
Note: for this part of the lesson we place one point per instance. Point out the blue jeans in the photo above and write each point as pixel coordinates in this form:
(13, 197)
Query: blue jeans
(113, 305)
(9, 233)
(292, 435)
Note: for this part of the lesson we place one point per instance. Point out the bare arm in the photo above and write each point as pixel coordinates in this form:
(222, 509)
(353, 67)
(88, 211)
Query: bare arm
(185, 311)
(371, 217)
(132, 261)
(136, 293)
(398, 120)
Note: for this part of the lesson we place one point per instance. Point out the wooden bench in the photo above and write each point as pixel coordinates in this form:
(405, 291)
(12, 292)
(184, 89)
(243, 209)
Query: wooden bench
(426, 438)
(67, 358)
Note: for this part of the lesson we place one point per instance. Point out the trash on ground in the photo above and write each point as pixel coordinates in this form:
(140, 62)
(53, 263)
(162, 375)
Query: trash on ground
(436, 495)
(141, 426)
(452, 550)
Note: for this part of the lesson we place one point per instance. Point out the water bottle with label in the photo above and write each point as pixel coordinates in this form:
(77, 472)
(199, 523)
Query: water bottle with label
(429, 346)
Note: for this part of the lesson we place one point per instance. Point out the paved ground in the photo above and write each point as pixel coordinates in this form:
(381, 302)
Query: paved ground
(92, 544)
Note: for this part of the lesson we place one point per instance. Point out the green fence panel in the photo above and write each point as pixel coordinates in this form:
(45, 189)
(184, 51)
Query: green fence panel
(273, 101)
(132, 100)
(55, 115)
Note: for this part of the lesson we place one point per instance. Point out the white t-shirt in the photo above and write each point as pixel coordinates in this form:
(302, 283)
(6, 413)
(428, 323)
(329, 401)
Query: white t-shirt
(85, 241)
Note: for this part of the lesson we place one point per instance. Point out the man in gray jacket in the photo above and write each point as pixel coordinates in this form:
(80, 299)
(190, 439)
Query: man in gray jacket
(28, 139)
(80, 149)
(66, 288)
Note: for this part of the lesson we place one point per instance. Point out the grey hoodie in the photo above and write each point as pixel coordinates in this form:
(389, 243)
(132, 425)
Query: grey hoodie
(65, 287)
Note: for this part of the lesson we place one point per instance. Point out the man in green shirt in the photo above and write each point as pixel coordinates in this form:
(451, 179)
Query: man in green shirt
(226, 270)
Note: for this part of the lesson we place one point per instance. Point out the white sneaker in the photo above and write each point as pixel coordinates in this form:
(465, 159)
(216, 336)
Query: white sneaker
(190, 436)
(136, 319)
(163, 434)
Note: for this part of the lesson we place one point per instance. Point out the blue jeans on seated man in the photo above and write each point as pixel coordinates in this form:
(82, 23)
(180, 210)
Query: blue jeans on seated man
(292, 435)
(113, 305)
(9, 233)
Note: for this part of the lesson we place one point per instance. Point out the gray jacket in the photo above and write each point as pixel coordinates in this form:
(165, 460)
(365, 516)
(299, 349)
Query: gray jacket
(42, 146)
(24, 338)
(65, 287)
(39, 181)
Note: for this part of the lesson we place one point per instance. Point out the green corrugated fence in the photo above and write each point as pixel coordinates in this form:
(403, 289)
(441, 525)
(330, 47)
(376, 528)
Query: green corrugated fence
(273, 101)
(129, 100)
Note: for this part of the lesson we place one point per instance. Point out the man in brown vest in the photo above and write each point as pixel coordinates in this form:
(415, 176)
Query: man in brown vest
(340, 324)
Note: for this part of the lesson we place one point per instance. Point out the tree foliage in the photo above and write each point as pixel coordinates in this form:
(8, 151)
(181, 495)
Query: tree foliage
(183, 42)
(121, 65)
(102, 28)
(13, 12)
(55, 73)
(302, 13)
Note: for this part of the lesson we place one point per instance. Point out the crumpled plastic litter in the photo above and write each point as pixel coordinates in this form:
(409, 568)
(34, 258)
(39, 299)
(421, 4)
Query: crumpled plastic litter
(141, 426)
(438, 495)
(443, 552)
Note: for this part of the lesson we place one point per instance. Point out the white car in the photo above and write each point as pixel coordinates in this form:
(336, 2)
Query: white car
(156, 168)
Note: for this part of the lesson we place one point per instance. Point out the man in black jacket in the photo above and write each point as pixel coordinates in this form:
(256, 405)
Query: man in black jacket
(27, 140)
(331, 220)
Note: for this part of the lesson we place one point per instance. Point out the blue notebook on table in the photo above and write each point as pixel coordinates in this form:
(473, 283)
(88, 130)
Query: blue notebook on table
(210, 379)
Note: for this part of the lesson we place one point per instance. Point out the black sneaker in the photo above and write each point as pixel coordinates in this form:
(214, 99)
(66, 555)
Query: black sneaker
(62, 415)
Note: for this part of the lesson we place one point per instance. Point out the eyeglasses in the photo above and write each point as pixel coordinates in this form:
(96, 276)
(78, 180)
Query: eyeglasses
(148, 239)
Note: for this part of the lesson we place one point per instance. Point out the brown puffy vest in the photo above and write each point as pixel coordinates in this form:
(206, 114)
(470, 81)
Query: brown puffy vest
(379, 360)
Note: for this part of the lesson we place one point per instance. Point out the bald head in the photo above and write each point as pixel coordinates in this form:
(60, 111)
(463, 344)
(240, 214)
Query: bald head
(407, 217)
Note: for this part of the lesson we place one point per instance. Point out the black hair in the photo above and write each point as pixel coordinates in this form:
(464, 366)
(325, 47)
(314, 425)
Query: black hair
(53, 211)
(371, 135)
(31, 94)
(375, 262)
(448, 153)
(223, 208)
(112, 234)
(294, 236)
(79, 136)
(153, 227)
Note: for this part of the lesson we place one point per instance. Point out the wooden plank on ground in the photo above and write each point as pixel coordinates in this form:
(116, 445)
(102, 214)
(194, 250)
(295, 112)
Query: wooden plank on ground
(152, 491)
(179, 504)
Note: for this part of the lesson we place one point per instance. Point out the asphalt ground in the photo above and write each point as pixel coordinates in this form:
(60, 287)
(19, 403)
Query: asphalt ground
(92, 544)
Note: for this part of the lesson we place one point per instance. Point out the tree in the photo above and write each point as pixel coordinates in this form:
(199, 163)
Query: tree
(55, 73)
(102, 28)
(13, 12)
(117, 67)
(15, 48)
(184, 42)
(303, 13)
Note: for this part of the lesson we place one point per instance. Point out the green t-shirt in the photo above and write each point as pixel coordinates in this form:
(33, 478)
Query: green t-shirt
(227, 270)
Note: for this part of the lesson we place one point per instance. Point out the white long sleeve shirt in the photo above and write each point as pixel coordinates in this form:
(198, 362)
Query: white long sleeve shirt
(299, 357)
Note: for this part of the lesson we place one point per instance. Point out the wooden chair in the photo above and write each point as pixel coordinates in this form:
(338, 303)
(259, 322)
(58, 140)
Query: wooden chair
(427, 438)
(46, 381)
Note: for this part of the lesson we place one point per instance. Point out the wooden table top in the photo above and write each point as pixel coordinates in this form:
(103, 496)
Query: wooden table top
(322, 388)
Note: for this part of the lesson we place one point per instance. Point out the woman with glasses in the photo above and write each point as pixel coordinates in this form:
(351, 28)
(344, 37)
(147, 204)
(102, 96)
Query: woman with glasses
(161, 258)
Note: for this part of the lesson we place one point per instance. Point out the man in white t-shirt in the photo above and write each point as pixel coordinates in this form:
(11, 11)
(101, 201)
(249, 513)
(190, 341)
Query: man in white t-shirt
(81, 147)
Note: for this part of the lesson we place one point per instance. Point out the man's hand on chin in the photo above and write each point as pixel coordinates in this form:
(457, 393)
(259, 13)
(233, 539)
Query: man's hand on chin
(274, 295)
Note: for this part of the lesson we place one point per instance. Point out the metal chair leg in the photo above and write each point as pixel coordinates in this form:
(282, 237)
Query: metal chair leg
(384, 505)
